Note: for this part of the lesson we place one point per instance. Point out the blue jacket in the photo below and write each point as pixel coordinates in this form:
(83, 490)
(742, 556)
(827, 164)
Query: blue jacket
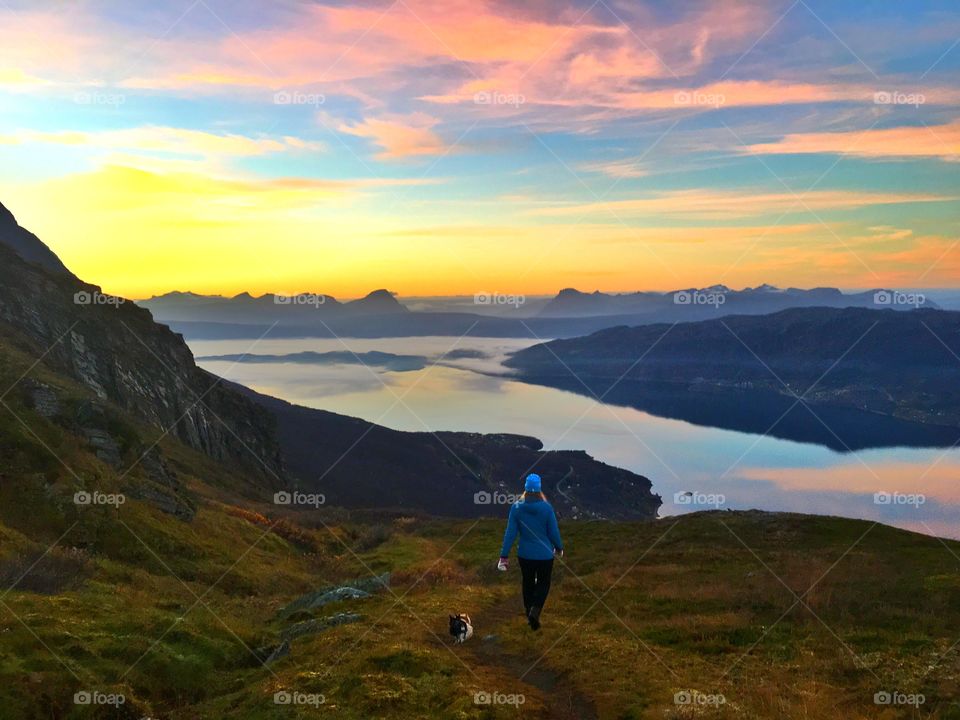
(536, 523)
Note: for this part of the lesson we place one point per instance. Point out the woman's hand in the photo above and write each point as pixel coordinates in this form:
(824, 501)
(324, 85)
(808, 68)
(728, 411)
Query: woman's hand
(502, 564)
(558, 552)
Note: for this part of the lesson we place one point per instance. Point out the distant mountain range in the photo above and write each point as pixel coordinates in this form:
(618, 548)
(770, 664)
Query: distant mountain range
(570, 314)
(115, 381)
(286, 309)
(884, 377)
(703, 303)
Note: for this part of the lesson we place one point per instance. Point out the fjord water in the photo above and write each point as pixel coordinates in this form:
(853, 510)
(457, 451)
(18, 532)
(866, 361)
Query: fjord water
(691, 467)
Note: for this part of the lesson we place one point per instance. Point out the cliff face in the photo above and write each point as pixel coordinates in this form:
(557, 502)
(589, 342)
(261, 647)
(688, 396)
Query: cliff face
(116, 349)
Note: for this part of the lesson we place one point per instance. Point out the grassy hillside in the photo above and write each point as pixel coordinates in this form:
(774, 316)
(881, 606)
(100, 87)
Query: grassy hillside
(698, 612)
(178, 611)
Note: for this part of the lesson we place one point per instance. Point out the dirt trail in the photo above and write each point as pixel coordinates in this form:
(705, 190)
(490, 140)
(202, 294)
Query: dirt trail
(561, 699)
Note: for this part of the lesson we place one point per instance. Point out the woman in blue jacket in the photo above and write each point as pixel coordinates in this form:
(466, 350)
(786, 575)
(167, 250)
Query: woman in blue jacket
(534, 520)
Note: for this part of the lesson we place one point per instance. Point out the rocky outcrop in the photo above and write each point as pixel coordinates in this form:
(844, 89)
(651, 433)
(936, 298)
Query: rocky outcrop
(146, 472)
(42, 398)
(353, 590)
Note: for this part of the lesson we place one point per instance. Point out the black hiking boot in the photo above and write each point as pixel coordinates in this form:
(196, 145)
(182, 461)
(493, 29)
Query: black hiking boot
(533, 617)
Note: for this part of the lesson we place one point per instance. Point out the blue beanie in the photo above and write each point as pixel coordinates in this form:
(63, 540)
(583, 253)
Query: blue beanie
(532, 484)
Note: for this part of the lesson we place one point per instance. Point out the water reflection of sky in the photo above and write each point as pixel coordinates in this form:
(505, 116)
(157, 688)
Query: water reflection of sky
(750, 471)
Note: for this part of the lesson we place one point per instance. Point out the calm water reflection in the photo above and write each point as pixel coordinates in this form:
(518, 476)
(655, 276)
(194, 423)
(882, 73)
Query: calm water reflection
(750, 470)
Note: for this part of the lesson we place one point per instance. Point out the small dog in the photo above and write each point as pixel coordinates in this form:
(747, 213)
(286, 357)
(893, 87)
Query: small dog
(461, 628)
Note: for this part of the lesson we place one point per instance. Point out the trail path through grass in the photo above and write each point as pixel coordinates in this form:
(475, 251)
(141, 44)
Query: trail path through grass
(562, 701)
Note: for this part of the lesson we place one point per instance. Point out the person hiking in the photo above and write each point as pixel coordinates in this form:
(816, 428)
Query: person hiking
(533, 519)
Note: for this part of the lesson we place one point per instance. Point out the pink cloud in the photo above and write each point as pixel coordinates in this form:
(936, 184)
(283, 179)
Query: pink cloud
(400, 136)
(573, 69)
(941, 141)
(555, 52)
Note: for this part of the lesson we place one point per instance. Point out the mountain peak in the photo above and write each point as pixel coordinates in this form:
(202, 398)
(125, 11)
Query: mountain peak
(27, 245)
(6, 217)
(378, 301)
(380, 294)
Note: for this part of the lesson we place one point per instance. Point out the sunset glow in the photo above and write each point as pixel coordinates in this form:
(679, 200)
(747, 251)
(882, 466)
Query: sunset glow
(451, 147)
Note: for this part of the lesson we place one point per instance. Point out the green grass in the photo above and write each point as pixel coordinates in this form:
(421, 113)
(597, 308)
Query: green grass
(689, 615)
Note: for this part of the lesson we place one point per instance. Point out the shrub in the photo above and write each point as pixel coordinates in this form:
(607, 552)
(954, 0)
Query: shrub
(284, 528)
(373, 537)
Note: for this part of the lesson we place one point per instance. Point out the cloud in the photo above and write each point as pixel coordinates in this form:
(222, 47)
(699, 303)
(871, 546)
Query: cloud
(937, 141)
(723, 204)
(400, 136)
(15, 79)
(165, 140)
(560, 53)
(620, 169)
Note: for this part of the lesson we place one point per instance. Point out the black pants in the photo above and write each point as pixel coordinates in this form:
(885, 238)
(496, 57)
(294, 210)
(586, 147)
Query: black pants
(536, 581)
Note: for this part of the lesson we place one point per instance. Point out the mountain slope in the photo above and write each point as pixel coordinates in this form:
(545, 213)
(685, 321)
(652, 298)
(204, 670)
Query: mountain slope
(27, 245)
(899, 364)
(358, 464)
